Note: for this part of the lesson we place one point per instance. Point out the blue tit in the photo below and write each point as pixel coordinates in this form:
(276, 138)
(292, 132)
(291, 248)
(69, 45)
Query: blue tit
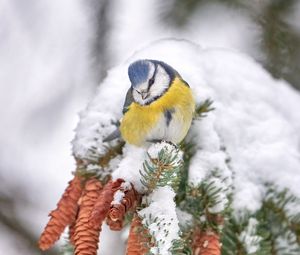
(159, 105)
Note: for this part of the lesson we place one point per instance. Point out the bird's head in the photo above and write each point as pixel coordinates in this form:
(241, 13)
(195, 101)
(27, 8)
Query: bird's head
(150, 79)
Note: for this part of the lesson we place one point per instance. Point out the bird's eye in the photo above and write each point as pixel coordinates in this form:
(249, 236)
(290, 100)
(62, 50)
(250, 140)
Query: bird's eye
(151, 81)
(137, 91)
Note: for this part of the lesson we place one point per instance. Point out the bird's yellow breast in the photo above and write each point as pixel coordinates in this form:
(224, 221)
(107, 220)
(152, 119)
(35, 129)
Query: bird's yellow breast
(139, 120)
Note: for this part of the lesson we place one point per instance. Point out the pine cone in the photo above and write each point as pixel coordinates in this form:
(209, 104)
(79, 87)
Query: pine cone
(114, 225)
(115, 217)
(138, 239)
(72, 233)
(103, 202)
(85, 238)
(63, 215)
(206, 243)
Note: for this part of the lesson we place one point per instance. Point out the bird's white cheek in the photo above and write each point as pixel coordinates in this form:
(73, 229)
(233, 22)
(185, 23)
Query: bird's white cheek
(138, 98)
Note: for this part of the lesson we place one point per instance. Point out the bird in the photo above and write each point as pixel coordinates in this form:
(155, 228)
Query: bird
(159, 105)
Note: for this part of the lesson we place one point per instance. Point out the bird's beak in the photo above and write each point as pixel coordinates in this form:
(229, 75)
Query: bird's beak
(145, 95)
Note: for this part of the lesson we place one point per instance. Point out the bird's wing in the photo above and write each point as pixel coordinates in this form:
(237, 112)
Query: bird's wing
(117, 134)
(112, 136)
(128, 100)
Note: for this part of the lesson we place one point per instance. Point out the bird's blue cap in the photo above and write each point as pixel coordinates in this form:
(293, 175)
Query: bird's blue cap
(138, 72)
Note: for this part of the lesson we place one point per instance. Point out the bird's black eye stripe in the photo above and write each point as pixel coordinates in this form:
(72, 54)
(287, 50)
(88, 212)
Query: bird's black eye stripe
(152, 80)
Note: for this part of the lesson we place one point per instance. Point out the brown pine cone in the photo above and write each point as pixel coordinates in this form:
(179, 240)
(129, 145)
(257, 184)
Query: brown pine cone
(116, 215)
(72, 233)
(206, 243)
(86, 238)
(63, 215)
(114, 225)
(138, 240)
(102, 205)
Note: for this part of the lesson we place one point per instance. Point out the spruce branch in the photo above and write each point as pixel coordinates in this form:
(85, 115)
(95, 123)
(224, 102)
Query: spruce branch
(280, 221)
(207, 202)
(189, 150)
(202, 109)
(98, 164)
(67, 248)
(162, 168)
(181, 247)
(111, 153)
(188, 147)
(244, 235)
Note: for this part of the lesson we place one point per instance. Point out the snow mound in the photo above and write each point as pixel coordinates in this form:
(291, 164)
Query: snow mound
(161, 219)
(168, 148)
(255, 119)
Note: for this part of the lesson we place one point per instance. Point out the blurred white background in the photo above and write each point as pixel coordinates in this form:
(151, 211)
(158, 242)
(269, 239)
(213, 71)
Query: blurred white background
(53, 55)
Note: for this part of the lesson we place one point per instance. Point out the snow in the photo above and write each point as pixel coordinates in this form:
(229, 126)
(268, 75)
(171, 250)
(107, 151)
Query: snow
(130, 166)
(254, 120)
(287, 243)
(118, 196)
(169, 149)
(209, 157)
(249, 237)
(203, 163)
(100, 118)
(126, 186)
(160, 219)
(221, 200)
(90, 137)
(185, 219)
